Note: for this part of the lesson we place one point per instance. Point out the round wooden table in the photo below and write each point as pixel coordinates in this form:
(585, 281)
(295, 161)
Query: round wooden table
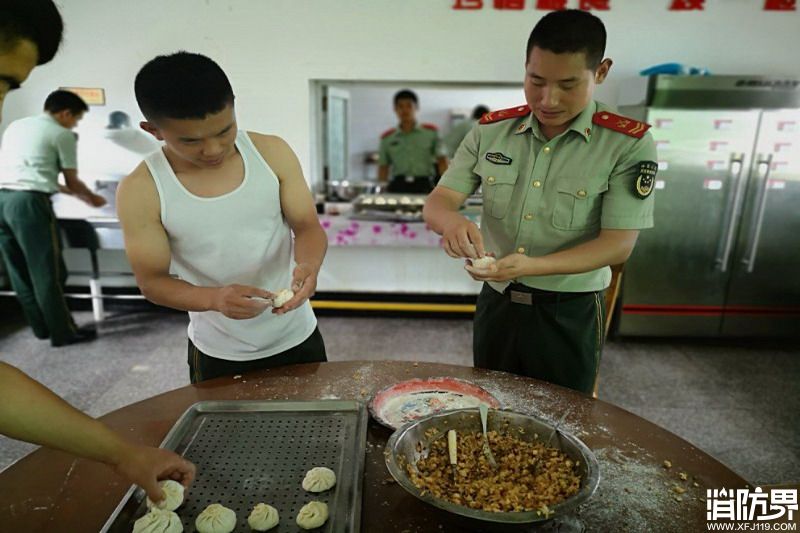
(52, 491)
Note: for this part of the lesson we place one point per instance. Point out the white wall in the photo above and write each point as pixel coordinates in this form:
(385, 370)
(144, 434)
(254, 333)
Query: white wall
(271, 49)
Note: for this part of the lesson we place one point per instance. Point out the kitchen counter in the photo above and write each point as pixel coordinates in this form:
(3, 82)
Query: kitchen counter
(52, 491)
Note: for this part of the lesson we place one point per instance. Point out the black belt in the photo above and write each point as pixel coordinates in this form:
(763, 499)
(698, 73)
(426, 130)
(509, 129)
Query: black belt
(411, 184)
(522, 294)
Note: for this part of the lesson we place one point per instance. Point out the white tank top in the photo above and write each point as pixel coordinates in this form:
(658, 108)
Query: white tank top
(240, 237)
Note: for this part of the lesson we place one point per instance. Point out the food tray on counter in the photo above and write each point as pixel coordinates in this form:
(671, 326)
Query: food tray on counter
(249, 452)
(389, 206)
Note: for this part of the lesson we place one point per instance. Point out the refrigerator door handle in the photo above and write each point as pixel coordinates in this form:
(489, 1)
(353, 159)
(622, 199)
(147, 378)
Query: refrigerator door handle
(733, 207)
(758, 219)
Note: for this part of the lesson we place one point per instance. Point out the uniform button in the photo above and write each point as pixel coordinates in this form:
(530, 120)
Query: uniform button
(520, 250)
(490, 179)
(537, 184)
(547, 149)
(529, 217)
(581, 193)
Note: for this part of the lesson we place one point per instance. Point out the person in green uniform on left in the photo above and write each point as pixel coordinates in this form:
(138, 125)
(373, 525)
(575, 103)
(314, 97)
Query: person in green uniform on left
(567, 185)
(411, 156)
(35, 151)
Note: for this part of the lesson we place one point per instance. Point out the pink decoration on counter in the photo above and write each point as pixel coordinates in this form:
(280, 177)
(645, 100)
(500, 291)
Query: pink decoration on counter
(342, 231)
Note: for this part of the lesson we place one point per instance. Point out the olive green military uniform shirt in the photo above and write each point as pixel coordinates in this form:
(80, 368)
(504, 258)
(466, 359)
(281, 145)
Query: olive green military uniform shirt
(541, 196)
(412, 153)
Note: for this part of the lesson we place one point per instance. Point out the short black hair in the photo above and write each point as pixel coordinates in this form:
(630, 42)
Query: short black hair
(479, 111)
(406, 94)
(570, 31)
(62, 100)
(182, 86)
(37, 21)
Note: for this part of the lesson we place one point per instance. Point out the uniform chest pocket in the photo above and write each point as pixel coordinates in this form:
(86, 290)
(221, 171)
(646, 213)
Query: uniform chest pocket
(578, 204)
(497, 183)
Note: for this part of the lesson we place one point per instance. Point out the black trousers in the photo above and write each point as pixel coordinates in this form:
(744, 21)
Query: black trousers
(203, 367)
(557, 338)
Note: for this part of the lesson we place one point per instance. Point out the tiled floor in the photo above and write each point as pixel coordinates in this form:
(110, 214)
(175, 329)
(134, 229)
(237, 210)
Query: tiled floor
(740, 402)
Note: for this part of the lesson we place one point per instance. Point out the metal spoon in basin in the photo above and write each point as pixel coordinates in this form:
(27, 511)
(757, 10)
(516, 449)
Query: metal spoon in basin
(486, 450)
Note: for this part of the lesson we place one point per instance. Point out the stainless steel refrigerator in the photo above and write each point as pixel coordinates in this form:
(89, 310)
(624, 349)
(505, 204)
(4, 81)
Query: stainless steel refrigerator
(724, 256)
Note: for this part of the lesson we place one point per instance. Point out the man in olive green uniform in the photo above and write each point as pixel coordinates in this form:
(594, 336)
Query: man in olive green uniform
(35, 151)
(411, 156)
(566, 187)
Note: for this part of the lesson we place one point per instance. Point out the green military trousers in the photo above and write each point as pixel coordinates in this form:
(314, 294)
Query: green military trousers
(552, 336)
(31, 248)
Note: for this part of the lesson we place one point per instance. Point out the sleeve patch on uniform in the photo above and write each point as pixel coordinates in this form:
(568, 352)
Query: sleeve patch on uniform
(645, 179)
(498, 158)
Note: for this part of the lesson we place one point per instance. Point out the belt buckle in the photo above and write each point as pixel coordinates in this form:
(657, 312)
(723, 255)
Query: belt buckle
(519, 297)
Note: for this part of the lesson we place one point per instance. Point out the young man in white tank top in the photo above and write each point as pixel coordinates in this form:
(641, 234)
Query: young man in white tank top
(217, 208)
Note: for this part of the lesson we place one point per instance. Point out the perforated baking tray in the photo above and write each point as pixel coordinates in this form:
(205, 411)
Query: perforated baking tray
(248, 452)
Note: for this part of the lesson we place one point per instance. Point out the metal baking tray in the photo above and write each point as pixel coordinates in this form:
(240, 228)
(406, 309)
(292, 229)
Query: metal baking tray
(248, 452)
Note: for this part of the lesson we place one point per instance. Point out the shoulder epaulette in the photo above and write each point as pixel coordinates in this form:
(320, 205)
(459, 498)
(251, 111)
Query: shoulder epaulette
(429, 126)
(388, 132)
(621, 124)
(502, 114)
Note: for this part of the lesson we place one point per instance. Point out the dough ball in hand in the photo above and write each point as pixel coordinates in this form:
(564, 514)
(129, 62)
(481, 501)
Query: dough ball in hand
(173, 496)
(319, 479)
(282, 297)
(263, 517)
(216, 518)
(158, 520)
(312, 515)
(483, 263)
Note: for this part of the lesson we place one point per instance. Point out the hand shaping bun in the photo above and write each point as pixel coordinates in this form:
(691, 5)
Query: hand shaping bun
(483, 263)
(173, 496)
(283, 296)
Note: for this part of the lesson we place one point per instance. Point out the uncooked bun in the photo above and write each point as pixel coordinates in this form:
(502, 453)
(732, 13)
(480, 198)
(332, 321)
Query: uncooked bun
(484, 263)
(283, 296)
(216, 519)
(319, 479)
(173, 496)
(263, 517)
(312, 515)
(158, 521)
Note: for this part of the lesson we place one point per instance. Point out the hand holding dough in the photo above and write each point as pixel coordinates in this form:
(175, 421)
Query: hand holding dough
(484, 263)
(319, 479)
(283, 296)
(312, 515)
(173, 496)
(158, 521)
(263, 517)
(216, 519)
